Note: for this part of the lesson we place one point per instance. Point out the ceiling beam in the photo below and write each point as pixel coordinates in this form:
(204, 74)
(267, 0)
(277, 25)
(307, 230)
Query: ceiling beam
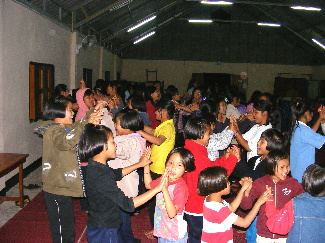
(100, 12)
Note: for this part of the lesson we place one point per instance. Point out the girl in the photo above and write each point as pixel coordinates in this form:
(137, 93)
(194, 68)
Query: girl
(264, 120)
(271, 139)
(61, 173)
(153, 96)
(304, 139)
(138, 104)
(309, 208)
(129, 148)
(197, 133)
(234, 102)
(85, 101)
(163, 141)
(169, 223)
(217, 213)
(62, 89)
(105, 198)
(284, 188)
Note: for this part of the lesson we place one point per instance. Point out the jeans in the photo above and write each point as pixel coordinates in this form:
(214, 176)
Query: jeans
(61, 217)
(195, 225)
(125, 234)
(251, 232)
(183, 240)
(99, 235)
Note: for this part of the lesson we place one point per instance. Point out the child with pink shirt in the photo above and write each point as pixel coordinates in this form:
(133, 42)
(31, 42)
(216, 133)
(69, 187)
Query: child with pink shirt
(169, 224)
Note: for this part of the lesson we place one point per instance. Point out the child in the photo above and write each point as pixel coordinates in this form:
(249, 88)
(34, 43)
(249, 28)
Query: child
(304, 139)
(309, 207)
(163, 141)
(197, 133)
(284, 188)
(264, 120)
(271, 139)
(129, 148)
(170, 203)
(105, 198)
(85, 101)
(60, 170)
(217, 213)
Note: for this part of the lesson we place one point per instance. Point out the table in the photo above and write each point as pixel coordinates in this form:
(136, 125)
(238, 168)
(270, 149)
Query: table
(9, 162)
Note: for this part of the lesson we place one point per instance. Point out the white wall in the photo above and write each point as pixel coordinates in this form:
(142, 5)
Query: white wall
(25, 37)
(178, 73)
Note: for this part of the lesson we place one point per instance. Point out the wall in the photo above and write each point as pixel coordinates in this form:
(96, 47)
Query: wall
(178, 73)
(25, 37)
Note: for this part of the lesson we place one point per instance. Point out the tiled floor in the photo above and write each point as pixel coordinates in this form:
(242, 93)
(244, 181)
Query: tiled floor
(8, 208)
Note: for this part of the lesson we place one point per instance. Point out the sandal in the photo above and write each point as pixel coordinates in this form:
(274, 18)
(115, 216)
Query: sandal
(26, 200)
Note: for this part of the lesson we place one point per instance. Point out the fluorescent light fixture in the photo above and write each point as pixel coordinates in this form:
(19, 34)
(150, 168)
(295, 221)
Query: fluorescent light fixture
(306, 8)
(144, 37)
(141, 23)
(318, 43)
(269, 24)
(217, 2)
(200, 20)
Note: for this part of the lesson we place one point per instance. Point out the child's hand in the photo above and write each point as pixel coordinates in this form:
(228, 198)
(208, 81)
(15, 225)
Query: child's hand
(145, 157)
(246, 183)
(95, 117)
(234, 150)
(165, 187)
(100, 105)
(163, 182)
(265, 195)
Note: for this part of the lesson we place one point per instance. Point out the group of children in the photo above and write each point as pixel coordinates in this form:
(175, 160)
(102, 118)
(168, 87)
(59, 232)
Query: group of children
(188, 186)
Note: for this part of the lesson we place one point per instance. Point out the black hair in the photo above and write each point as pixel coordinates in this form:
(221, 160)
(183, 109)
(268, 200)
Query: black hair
(207, 107)
(232, 94)
(56, 107)
(211, 180)
(266, 105)
(268, 96)
(195, 128)
(60, 88)
(166, 105)
(150, 90)
(130, 119)
(298, 109)
(313, 180)
(272, 159)
(92, 140)
(171, 91)
(139, 103)
(88, 92)
(218, 101)
(139, 89)
(187, 158)
(275, 139)
(255, 97)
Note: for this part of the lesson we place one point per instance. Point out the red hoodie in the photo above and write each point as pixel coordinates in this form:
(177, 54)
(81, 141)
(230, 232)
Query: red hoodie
(194, 204)
(283, 191)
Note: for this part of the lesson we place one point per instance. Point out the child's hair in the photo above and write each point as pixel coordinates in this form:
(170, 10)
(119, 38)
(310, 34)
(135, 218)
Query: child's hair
(168, 105)
(60, 88)
(56, 107)
(298, 109)
(130, 119)
(266, 105)
(92, 141)
(171, 91)
(139, 103)
(272, 159)
(192, 96)
(255, 96)
(274, 138)
(186, 157)
(149, 91)
(313, 180)
(88, 92)
(218, 101)
(207, 106)
(211, 180)
(195, 128)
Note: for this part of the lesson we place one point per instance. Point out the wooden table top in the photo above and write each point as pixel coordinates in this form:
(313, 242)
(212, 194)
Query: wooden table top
(8, 160)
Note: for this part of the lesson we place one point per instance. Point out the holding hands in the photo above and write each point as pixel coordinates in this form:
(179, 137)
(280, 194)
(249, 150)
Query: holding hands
(265, 195)
(145, 158)
(234, 150)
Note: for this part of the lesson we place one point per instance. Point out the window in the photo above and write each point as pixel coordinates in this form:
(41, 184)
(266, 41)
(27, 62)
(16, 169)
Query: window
(41, 87)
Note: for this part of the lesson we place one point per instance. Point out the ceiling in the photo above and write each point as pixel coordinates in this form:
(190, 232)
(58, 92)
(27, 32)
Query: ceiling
(233, 36)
